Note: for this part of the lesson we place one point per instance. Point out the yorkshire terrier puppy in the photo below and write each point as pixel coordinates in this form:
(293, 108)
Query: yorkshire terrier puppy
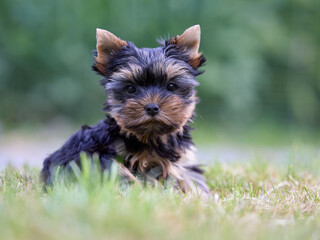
(151, 100)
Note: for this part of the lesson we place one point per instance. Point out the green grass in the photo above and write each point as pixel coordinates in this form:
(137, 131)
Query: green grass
(254, 200)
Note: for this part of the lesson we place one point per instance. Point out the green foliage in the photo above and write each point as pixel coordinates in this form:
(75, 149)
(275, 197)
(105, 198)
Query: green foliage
(263, 56)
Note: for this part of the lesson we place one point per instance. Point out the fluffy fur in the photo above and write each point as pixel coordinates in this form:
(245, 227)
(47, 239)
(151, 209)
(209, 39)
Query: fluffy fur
(133, 78)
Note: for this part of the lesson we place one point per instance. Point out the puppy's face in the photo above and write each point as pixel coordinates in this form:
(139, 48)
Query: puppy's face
(151, 92)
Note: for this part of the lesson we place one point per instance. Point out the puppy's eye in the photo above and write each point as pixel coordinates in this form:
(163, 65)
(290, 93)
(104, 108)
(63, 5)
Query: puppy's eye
(171, 87)
(131, 89)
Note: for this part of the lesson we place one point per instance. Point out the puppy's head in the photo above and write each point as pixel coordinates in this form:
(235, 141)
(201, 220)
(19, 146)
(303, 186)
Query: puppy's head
(151, 91)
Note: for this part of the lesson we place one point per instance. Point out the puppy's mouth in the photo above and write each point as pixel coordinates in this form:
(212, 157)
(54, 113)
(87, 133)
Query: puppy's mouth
(152, 126)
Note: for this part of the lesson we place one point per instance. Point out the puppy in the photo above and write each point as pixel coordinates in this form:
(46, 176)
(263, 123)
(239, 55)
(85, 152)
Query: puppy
(151, 100)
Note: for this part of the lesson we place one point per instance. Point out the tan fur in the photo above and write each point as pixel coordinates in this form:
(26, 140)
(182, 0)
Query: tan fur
(129, 73)
(179, 172)
(145, 161)
(189, 41)
(173, 111)
(170, 69)
(126, 173)
(107, 45)
(133, 71)
(174, 70)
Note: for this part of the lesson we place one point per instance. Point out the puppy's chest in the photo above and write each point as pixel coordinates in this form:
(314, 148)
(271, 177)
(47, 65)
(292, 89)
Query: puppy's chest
(145, 160)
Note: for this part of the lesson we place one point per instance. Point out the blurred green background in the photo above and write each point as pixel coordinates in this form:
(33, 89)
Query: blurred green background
(262, 71)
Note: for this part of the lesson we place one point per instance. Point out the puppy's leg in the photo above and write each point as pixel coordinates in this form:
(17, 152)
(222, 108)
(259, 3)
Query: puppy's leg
(195, 176)
(190, 179)
(96, 139)
(106, 162)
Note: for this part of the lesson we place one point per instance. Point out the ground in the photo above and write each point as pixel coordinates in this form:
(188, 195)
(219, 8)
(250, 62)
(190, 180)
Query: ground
(256, 199)
(259, 190)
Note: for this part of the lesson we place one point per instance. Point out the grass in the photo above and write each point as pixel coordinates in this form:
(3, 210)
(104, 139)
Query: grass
(253, 200)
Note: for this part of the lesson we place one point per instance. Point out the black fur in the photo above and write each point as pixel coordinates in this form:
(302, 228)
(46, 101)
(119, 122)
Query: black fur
(96, 139)
(100, 139)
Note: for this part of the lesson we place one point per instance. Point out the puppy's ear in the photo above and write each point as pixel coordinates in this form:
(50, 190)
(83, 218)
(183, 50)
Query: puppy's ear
(189, 42)
(107, 45)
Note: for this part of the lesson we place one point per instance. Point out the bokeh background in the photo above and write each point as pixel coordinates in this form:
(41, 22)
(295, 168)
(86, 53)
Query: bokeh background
(261, 81)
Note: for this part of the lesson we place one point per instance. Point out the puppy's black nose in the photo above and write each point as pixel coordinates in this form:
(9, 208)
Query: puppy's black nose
(152, 109)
